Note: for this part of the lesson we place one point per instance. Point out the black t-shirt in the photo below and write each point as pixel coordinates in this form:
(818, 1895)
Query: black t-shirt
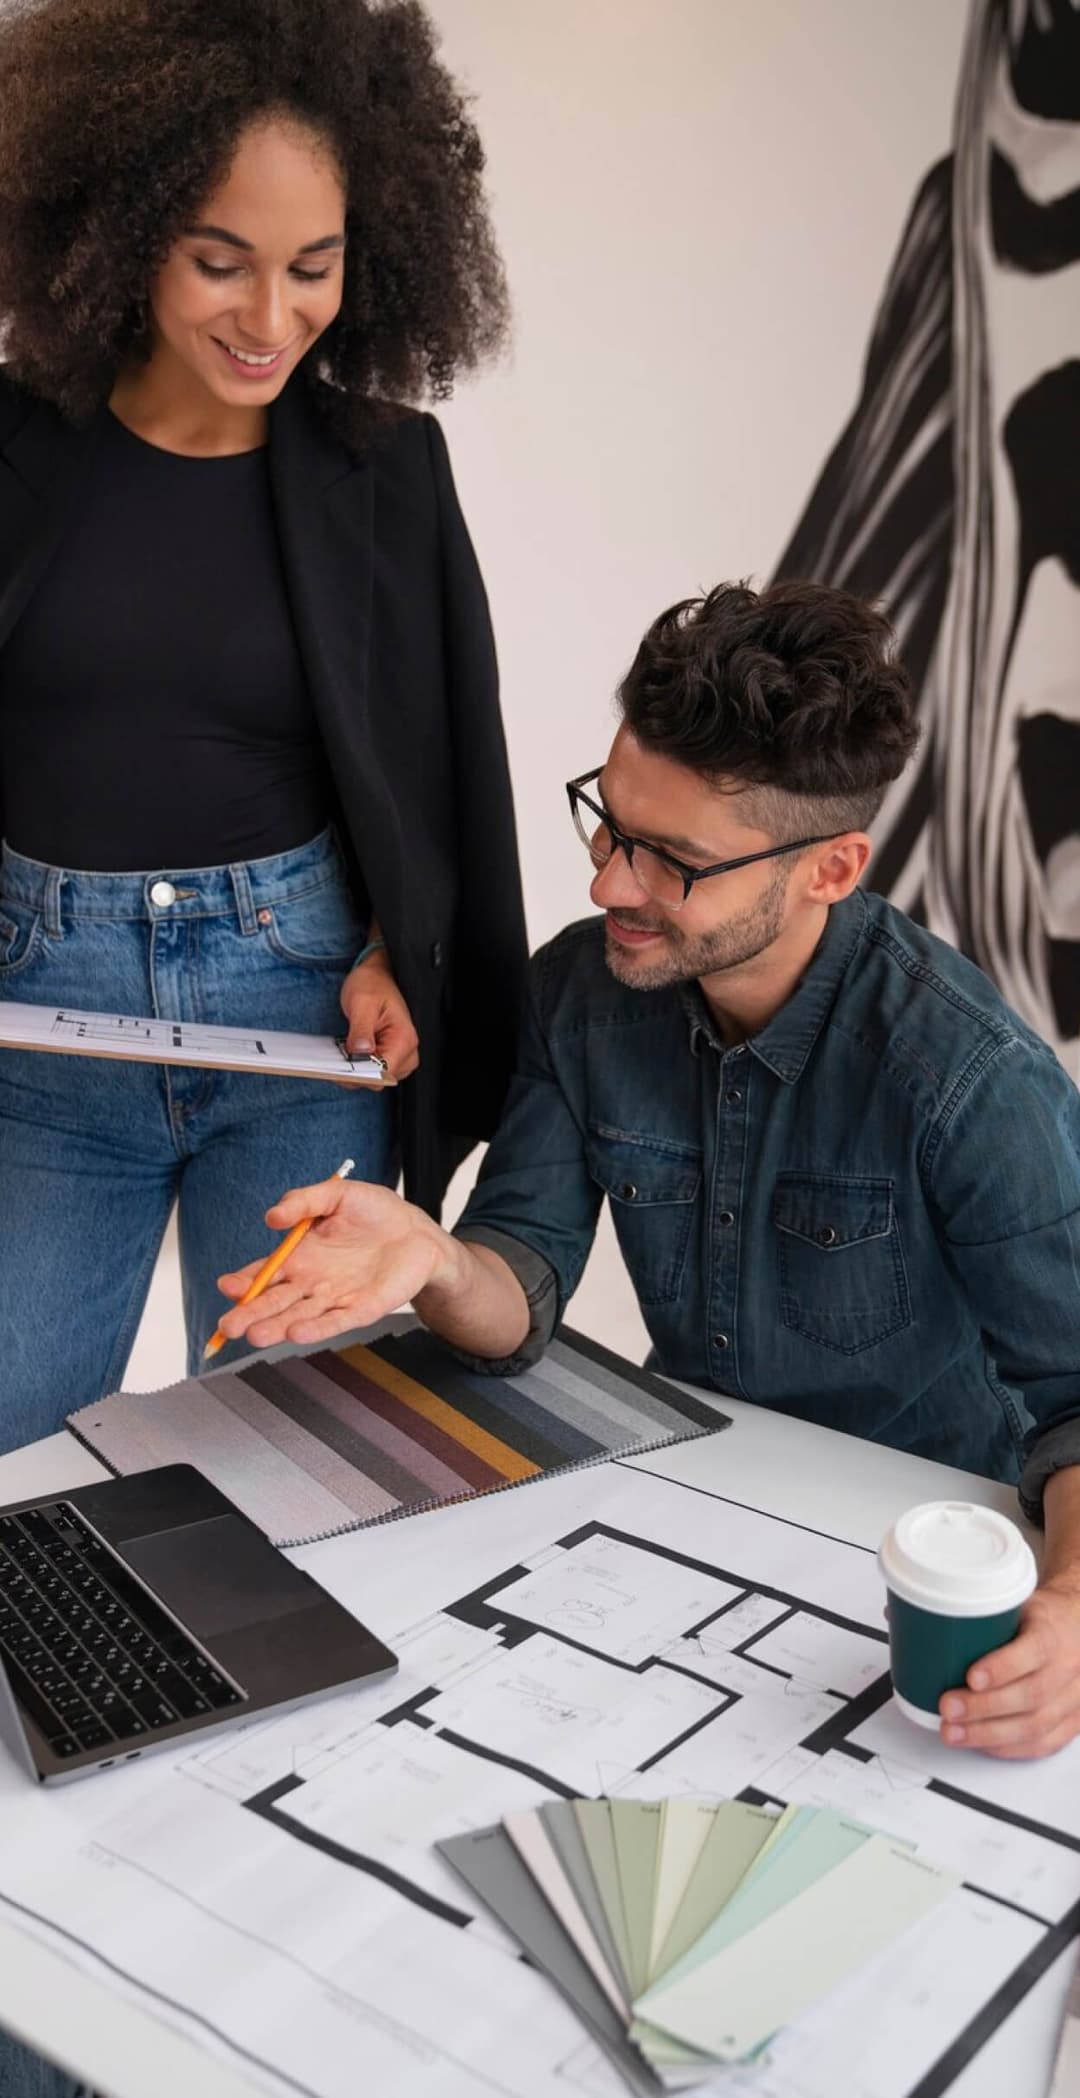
(153, 706)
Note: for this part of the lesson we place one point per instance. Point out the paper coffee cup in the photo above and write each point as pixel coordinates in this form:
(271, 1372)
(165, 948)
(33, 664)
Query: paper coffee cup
(958, 1576)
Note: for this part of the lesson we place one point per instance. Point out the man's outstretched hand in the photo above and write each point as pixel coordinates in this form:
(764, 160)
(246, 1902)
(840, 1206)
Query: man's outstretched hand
(368, 1253)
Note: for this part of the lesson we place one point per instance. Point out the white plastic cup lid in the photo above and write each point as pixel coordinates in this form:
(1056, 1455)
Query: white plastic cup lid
(958, 1559)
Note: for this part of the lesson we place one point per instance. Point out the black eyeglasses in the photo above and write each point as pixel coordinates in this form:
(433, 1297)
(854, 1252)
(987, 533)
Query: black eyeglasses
(663, 877)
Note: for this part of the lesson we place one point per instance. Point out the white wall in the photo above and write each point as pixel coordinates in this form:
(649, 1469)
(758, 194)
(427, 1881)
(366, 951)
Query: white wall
(698, 201)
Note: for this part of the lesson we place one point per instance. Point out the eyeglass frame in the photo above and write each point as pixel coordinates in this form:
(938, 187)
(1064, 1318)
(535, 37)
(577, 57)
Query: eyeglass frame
(622, 841)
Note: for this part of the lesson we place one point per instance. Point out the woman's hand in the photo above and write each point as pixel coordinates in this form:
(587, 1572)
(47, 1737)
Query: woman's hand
(378, 1019)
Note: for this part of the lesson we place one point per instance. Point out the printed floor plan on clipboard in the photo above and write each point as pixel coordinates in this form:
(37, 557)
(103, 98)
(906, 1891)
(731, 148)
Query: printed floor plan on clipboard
(183, 1042)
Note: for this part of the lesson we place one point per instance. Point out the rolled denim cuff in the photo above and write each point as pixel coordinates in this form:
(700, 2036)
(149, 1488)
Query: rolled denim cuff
(1053, 1451)
(538, 1280)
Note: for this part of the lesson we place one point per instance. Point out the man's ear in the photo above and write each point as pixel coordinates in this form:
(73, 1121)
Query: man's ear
(837, 867)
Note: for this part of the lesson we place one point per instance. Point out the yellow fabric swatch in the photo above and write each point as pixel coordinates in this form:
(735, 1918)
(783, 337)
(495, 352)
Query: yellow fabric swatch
(509, 1463)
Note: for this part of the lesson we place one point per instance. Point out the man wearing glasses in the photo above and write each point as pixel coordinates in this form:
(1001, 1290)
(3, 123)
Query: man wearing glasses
(844, 1175)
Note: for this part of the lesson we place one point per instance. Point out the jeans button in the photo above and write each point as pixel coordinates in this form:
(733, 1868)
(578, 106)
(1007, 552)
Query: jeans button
(163, 893)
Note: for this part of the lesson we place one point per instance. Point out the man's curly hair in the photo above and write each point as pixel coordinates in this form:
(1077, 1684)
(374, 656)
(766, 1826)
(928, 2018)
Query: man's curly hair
(118, 117)
(793, 697)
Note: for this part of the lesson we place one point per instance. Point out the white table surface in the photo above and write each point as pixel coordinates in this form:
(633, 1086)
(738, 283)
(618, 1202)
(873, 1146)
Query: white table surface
(836, 1483)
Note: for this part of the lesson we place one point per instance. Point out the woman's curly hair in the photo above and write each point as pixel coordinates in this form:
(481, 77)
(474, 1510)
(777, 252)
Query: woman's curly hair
(118, 117)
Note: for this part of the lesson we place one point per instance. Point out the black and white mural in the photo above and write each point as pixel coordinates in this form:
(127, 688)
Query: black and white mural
(953, 496)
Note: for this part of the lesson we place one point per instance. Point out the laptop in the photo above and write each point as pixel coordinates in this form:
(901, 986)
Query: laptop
(143, 1610)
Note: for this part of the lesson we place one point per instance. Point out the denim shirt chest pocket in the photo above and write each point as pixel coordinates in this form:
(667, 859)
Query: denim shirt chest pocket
(652, 1188)
(843, 1280)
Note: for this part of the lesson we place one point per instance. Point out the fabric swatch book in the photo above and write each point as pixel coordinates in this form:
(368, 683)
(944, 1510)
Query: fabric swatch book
(313, 1445)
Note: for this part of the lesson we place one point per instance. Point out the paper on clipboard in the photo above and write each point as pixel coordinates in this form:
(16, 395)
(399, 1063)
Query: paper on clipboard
(70, 1033)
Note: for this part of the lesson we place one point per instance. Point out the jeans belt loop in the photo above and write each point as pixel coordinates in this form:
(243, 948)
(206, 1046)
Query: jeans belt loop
(245, 902)
(54, 923)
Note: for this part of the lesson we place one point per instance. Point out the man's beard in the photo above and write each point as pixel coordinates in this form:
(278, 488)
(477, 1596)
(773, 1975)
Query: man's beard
(685, 957)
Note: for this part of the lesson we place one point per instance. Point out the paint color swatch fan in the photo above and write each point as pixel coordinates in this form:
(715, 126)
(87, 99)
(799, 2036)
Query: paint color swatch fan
(689, 1934)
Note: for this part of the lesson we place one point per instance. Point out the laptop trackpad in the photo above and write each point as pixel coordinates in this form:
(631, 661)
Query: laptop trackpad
(217, 1576)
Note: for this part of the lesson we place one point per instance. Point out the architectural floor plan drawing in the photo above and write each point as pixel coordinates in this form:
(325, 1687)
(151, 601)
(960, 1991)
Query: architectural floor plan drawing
(278, 1891)
(133, 1039)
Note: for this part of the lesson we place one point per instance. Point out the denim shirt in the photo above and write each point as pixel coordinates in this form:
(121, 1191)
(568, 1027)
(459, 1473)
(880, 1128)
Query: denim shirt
(868, 1215)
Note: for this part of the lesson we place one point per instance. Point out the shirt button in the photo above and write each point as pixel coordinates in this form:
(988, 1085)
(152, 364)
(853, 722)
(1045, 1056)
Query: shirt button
(734, 1096)
(436, 955)
(628, 1191)
(163, 893)
(720, 1340)
(827, 1236)
(726, 1216)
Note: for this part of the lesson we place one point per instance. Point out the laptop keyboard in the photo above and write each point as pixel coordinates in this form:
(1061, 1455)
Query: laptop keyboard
(90, 1655)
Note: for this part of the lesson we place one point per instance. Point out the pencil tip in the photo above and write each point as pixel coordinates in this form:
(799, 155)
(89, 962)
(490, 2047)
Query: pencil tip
(213, 1347)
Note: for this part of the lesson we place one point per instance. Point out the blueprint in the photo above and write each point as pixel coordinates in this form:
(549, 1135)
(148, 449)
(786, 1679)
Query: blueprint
(185, 1042)
(277, 1892)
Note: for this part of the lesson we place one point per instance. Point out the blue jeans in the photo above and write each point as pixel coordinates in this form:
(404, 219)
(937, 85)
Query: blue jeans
(25, 2075)
(93, 1154)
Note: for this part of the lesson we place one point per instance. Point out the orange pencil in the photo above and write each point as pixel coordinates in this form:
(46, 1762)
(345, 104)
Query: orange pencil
(270, 1267)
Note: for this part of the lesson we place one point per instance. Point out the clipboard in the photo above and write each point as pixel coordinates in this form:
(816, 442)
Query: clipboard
(64, 1031)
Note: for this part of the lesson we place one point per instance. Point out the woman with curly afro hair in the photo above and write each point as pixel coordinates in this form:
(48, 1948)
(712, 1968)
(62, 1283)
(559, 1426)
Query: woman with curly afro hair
(252, 768)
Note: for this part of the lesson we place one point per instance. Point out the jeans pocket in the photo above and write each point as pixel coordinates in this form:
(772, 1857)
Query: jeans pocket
(842, 1275)
(320, 929)
(20, 937)
(653, 1189)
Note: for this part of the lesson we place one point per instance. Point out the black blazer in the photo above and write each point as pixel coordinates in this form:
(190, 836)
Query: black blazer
(393, 627)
